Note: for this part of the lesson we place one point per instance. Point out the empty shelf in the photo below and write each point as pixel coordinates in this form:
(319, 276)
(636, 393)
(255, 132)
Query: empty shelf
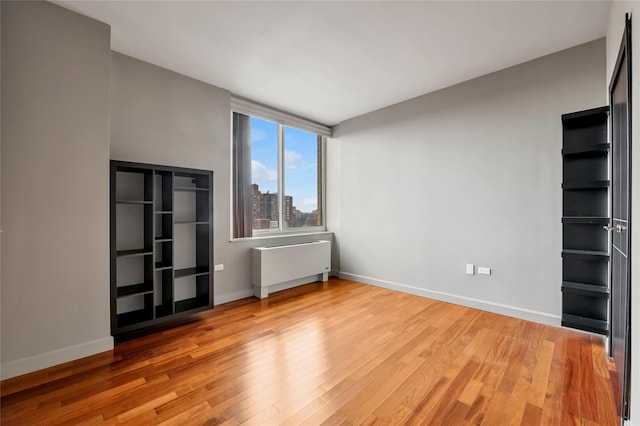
(587, 184)
(585, 289)
(134, 289)
(198, 270)
(592, 150)
(189, 188)
(586, 220)
(136, 252)
(584, 323)
(586, 254)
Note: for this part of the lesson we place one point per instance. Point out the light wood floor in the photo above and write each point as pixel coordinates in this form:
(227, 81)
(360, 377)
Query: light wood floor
(336, 353)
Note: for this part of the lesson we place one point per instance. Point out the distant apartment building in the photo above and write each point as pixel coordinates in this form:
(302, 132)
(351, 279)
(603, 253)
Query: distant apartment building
(264, 209)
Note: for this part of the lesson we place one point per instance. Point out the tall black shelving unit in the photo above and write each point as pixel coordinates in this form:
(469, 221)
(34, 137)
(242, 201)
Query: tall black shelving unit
(585, 215)
(161, 245)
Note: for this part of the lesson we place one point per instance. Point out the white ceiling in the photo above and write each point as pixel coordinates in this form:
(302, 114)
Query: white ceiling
(330, 61)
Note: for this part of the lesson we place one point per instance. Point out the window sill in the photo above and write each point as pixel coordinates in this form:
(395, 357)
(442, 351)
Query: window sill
(276, 235)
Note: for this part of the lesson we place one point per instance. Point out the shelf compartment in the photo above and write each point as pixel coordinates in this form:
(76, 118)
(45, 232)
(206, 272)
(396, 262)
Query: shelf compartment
(585, 254)
(584, 128)
(576, 236)
(586, 220)
(134, 289)
(579, 270)
(191, 182)
(137, 308)
(134, 317)
(592, 306)
(164, 293)
(163, 265)
(164, 255)
(134, 252)
(191, 304)
(132, 270)
(588, 184)
(194, 271)
(163, 190)
(585, 323)
(192, 292)
(593, 150)
(593, 202)
(585, 169)
(133, 185)
(163, 227)
(133, 224)
(585, 289)
(164, 310)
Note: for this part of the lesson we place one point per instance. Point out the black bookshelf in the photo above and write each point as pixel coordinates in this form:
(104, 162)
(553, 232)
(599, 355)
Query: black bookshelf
(148, 218)
(585, 210)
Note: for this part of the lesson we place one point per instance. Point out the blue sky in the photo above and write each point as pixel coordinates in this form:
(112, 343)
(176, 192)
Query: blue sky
(300, 152)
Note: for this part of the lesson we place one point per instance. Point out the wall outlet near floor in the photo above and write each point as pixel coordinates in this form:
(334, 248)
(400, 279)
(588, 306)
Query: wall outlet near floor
(484, 271)
(471, 269)
(219, 267)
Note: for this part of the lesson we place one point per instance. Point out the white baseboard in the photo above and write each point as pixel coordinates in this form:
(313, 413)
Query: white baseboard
(230, 297)
(498, 308)
(49, 359)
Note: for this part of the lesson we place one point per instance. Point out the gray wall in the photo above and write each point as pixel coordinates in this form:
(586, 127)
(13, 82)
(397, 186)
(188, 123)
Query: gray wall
(614, 37)
(468, 174)
(161, 117)
(55, 186)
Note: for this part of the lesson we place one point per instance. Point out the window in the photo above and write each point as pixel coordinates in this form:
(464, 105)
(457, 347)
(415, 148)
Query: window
(278, 177)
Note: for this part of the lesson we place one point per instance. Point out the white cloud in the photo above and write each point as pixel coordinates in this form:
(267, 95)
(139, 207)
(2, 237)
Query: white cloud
(291, 159)
(258, 135)
(308, 204)
(260, 172)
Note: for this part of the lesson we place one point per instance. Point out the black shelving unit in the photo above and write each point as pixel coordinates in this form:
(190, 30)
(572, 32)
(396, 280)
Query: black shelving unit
(585, 210)
(152, 283)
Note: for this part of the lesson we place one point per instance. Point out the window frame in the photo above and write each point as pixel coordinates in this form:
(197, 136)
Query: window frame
(283, 120)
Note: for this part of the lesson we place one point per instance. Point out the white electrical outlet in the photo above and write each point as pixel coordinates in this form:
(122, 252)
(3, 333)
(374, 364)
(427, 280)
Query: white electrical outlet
(471, 269)
(484, 271)
(219, 267)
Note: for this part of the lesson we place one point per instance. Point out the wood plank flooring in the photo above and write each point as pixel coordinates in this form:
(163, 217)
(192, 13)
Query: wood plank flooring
(334, 353)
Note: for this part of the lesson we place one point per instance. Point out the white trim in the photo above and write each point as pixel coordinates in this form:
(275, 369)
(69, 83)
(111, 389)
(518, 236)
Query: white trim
(245, 106)
(281, 194)
(48, 359)
(498, 308)
(284, 234)
(232, 296)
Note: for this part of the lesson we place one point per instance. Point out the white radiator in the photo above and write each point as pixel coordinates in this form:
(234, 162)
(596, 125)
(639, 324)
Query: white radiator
(294, 264)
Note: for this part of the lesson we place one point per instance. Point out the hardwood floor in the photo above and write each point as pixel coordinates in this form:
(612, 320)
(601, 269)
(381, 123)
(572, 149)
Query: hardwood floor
(333, 353)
